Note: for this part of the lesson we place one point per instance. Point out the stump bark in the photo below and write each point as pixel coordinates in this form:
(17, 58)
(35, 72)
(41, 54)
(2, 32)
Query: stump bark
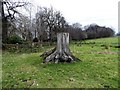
(61, 53)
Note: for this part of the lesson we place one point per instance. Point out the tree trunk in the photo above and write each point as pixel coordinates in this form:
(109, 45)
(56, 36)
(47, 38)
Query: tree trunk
(61, 53)
(4, 25)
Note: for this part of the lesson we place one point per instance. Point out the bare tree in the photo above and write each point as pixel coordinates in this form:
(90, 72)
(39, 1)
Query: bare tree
(49, 21)
(8, 14)
(22, 25)
(77, 25)
(41, 26)
(60, 22)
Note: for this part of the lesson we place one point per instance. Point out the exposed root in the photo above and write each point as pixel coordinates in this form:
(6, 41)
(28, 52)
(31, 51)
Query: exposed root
(56, 57)
(61, 53)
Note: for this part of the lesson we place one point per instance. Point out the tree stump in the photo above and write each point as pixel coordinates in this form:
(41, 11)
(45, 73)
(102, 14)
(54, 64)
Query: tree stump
(61, 53)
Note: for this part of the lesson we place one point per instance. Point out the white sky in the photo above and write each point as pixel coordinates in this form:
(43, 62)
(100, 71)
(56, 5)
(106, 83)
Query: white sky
(101, 12)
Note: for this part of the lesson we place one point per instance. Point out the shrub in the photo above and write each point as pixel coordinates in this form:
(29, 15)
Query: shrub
(14, 39)
(35, 40)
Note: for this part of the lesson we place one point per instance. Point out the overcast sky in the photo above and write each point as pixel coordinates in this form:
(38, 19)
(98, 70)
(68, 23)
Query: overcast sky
(101, 12)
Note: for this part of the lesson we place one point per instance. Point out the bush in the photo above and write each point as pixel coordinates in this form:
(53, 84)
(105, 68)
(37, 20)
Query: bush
(54, 39)
(35, 40)
(14, 39)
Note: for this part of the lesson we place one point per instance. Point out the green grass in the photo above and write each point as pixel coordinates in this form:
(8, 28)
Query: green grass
(0, 69)
(98, 69)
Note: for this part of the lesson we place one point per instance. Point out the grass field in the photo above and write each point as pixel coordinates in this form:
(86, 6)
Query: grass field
(98, 69)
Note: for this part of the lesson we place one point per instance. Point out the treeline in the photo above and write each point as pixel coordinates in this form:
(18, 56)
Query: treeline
(92, 31)
(47, 22)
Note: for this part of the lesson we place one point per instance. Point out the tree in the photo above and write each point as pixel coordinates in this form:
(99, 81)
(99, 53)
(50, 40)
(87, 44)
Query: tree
(22, 27)
(60, 22)
(77, 25)
(47, 19)
(96, 31)
(61, 53)
(49, 22)
(8, 14)
(76, 33)
(41, 26)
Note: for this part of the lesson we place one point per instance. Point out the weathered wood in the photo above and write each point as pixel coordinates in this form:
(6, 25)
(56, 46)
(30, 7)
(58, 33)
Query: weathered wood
(61, 53)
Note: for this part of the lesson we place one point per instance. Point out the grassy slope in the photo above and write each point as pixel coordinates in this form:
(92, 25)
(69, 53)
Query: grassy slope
(97, 70)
